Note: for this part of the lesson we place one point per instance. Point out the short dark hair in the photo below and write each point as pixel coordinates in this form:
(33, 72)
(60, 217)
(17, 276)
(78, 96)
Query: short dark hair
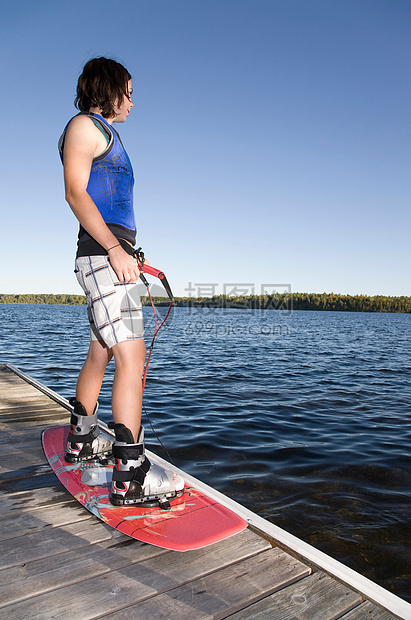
(102, 84)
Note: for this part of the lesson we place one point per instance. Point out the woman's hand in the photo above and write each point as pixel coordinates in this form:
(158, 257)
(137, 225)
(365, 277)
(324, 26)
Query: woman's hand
(124, 265)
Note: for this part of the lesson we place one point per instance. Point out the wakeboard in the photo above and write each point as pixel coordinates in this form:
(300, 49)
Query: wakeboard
(193, 521)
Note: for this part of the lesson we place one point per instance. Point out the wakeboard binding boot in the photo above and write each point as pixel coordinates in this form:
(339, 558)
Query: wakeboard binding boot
(136, 480)
(86, 442)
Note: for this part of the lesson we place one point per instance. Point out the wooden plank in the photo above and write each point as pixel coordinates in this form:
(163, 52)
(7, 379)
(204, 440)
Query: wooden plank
(25, 397)
(7, 375)
(63, 402)
(11, 380)
(42, 420)
(27, 479)
(8, 415)
(26, 408)
(44, 414)
(29, 500)
(25, 471)
(23, 449)
(13, 447)
(38, 408)
(39, 576)
(22, 523)
(23, 391)
(318, 597)
(50, 542)
(368, 611)
(14, 454)
(14, 414)
(25, 404)
(15, 461)
(225, 591)
(14, 432)
(118, 589)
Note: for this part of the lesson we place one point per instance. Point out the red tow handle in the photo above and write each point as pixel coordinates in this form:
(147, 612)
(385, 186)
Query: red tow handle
(152, 271)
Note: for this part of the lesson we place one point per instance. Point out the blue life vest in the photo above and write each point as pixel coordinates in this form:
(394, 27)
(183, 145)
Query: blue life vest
(111, 181)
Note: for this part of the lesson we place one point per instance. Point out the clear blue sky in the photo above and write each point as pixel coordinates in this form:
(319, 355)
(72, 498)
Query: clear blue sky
(270, 139)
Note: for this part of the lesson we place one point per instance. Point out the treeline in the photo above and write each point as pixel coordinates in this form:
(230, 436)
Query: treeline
(283, 301)
(351, 303)
(304, 301)
(48, 298)
(43, 298)
(57, 300)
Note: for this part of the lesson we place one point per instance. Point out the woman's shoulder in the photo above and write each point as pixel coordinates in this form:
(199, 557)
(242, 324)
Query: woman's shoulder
(82, 121)
(83, 129)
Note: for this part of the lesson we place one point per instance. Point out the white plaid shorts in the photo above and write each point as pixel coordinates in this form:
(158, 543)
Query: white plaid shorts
(114, 308)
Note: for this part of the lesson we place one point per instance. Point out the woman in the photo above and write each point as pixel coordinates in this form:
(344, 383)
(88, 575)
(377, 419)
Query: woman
(99, 180)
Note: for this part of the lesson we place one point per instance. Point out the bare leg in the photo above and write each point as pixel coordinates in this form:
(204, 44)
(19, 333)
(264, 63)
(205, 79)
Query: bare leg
(127, 396)
(135, 480)
(92, 374)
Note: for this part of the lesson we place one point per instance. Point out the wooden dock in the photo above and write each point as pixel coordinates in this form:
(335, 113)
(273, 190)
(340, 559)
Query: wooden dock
(59, 561)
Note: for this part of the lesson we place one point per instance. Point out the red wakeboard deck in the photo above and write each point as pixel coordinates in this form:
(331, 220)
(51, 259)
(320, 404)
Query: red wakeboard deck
(194, 521)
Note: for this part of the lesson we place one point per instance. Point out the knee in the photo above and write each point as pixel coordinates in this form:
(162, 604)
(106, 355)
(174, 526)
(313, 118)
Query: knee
(129, 366)
(99, 357)
(130, 356)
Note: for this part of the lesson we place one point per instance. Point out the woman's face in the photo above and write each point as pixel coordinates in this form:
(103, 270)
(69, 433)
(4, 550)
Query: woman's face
(122, 110)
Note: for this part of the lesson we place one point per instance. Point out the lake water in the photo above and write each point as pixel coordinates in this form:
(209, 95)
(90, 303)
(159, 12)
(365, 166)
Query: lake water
(303, 417)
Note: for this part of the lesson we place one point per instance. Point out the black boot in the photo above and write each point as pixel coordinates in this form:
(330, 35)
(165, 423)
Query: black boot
(135, 479)
(85, 441)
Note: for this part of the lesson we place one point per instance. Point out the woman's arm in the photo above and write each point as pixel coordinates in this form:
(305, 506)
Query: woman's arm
(82, 143)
